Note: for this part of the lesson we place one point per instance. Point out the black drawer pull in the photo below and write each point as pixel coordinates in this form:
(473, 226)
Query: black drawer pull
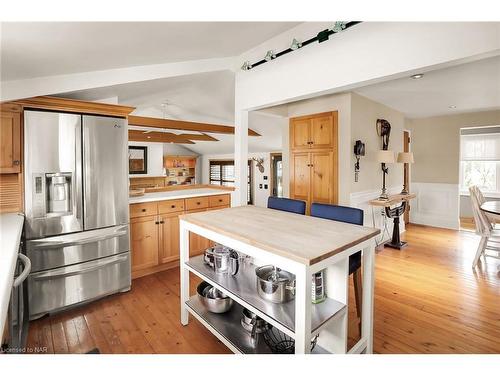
(198, 203)
(143, 210)
(172, 206)
(162, 222)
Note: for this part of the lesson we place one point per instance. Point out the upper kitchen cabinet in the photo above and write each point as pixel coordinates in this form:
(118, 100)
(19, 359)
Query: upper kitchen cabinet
(313, 131)
(10, 138)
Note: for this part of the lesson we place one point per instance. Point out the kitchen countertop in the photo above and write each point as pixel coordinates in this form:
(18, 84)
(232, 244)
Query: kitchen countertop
(301, 238)
(11, 227)
(177, 194)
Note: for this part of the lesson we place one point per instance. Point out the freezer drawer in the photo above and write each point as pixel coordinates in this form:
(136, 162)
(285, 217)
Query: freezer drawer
(60, 251)
(54, 290)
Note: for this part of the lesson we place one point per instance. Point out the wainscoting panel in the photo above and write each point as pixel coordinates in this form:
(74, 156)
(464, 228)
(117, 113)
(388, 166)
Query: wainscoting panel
(436, 205)
(360, 200)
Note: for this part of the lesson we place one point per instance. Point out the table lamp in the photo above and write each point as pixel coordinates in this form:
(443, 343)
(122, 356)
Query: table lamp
(385, 157)
(405, 158)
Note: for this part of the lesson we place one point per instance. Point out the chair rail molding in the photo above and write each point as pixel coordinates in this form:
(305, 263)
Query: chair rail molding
(436, 205)
(360, 200)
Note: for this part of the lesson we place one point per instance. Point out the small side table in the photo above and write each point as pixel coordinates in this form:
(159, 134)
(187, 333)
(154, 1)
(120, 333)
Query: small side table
(394, 207)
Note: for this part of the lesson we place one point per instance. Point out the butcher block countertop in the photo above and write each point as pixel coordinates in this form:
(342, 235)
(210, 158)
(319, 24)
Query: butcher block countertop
(176, 194)
(300, 238)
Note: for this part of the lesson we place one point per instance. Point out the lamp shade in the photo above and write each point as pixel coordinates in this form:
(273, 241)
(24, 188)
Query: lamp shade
(385, 156)
(405, 157)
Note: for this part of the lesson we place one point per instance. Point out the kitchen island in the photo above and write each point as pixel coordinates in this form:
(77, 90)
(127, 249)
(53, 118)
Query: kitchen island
(302, 245)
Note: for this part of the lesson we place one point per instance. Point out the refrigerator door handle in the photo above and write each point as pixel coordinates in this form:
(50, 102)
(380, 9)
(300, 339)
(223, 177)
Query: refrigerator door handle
(51, 244)
(26, 270)
(58, 273)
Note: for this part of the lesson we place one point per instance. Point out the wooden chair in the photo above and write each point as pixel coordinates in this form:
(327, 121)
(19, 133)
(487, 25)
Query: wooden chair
(347, 215)
(286, 204)
(490, 237)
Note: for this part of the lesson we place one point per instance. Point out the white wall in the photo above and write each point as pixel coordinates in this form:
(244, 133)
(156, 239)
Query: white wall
(259, 195)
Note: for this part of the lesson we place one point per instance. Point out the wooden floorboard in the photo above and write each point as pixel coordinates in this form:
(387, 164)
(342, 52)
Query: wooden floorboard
(428, 299)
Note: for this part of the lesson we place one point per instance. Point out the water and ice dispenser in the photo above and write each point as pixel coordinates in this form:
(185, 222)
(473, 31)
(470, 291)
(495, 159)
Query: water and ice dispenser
(52, 194)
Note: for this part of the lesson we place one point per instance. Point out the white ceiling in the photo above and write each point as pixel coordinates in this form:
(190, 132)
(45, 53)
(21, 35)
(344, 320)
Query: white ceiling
(35, 49)
(469, 87)
(204, 97)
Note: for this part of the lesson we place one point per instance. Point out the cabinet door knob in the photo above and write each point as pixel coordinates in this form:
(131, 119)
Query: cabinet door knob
(162, 222)
(198, 203)
(172, 206)
(16, 162)
(143, 210)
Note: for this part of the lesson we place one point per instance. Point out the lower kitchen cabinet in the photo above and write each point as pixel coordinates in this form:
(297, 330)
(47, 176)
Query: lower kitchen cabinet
(154, 231)
(169, 238)
(144, 242)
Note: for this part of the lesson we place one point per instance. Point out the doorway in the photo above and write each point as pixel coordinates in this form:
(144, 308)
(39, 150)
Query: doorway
(406, 173)
(277, 175)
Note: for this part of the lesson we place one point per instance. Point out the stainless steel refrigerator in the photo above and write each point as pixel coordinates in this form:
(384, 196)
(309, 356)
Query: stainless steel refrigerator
(76, 207)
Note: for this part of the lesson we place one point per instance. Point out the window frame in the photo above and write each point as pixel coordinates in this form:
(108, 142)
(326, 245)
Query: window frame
(220, 182)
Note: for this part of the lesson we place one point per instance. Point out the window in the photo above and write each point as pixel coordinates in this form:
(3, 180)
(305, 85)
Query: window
(480, 159)
(222, 173)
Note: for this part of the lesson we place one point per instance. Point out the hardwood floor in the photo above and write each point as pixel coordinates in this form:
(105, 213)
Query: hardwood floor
(427, 300)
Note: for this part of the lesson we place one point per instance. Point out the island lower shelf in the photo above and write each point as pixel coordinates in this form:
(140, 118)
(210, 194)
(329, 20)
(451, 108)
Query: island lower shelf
(242, 288)
(227, 328)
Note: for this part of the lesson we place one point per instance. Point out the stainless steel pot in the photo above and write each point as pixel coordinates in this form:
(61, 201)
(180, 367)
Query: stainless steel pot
(213, 299)
(274, 284)
(222, 260)
(253, 323)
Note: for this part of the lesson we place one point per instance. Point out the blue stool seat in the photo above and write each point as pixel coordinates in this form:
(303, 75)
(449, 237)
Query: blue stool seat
(287, 204)
(346, 215)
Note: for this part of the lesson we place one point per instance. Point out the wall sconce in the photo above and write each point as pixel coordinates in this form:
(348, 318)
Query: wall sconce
(359, 150)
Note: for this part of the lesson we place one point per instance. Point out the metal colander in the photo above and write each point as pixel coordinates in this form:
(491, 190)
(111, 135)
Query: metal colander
(280, 343)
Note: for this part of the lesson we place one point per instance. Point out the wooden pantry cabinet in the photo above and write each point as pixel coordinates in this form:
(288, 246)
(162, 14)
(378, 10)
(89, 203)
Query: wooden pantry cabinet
(154, 231)
(313, 158)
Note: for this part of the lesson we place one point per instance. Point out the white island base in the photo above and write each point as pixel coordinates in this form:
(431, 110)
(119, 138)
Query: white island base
(302, 245)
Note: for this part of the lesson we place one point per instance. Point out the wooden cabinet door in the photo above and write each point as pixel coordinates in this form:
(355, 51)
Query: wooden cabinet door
(10, 142)
(322, 132)
(197, 243)
(144, 242)
(322, 177)
(300, 176)
(300, 134)
(169, 238)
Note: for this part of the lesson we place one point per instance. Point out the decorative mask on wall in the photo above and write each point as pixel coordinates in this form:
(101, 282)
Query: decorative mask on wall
(384, 131)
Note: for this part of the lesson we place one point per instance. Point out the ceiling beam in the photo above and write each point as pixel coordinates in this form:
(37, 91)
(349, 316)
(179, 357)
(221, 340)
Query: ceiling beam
(199, 137)
(153, 122)
(141, 136)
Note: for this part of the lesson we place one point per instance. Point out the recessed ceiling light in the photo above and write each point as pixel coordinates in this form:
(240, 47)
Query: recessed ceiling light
(452, 106)
(417, 76)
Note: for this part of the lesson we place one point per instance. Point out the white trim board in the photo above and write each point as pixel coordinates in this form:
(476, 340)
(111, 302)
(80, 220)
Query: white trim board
(436, 205)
